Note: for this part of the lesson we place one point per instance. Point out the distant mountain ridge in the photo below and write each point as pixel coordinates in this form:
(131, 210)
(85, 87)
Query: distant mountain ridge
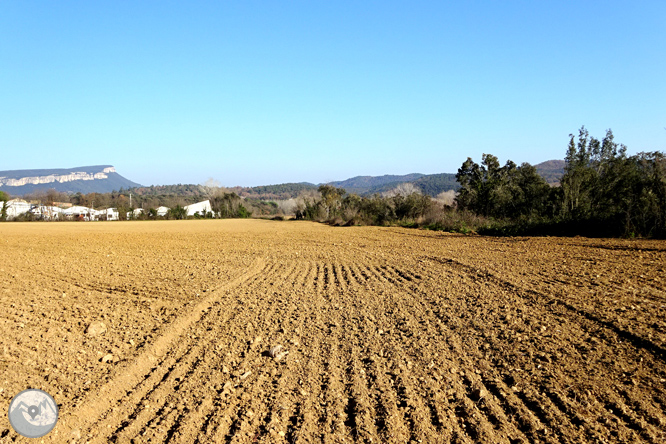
(364, 183)
(433, 184)
(429, 184)
(104, 179)
(86, 179)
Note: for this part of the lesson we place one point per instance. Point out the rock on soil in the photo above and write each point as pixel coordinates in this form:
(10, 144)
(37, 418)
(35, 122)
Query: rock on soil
(96, 328)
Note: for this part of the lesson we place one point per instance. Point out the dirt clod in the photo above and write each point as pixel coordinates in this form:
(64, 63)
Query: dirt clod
(478, 394)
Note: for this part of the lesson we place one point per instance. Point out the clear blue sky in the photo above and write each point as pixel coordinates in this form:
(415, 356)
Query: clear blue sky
(261, 92)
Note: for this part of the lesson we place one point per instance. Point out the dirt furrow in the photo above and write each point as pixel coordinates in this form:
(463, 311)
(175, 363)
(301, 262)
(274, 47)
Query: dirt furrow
(243, 364)
(206, 421)
(590, 325)
(467, 409)
(536, 407)
(115, 390)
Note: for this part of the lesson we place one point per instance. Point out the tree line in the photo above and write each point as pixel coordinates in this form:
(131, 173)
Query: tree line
(603, 192)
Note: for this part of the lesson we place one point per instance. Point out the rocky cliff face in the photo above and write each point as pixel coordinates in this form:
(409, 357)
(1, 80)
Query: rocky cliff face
(79, 175)
(98, 179)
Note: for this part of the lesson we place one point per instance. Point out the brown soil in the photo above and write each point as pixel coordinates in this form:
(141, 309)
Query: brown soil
(393, 335)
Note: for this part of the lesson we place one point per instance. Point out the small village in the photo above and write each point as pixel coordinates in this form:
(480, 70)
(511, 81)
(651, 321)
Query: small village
(62, 211)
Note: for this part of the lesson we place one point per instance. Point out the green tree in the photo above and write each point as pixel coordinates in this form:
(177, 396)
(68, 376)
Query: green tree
(531, 194)
(636, 199)
(579, 176)
(605, 190)
(4, 197)
(412, 206)
(378, 210)
(470, 178)
(228, 205)
(310, 208)
(331, 200)
(503, 192)
(243, 212)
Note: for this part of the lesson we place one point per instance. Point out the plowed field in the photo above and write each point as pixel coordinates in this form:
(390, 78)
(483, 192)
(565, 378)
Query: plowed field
(393, 335)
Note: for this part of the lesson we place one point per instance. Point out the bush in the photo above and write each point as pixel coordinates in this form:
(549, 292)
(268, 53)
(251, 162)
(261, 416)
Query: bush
(178, 212)
(394, 208)
(228, 205)
(243, 213)
(455, 221)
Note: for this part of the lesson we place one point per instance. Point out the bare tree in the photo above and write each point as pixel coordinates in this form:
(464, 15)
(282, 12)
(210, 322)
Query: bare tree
(287, 207)
(403, 189)
(447, 198)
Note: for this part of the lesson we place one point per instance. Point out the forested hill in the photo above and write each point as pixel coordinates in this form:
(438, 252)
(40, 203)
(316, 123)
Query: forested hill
(429, 184)
(551, 170)
(276, 192)
(281, 191)
(368, 184)
(170, 190)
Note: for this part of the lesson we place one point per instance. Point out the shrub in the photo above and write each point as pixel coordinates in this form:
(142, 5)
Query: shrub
(455, 221)
(178, 212)
(243, 213)
(228, 205)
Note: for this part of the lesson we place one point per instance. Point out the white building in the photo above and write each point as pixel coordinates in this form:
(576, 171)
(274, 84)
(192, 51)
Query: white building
(16, 207)
(110, 213)
(162, 211)
(76, 212)
(200, 207)
(46, 212)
